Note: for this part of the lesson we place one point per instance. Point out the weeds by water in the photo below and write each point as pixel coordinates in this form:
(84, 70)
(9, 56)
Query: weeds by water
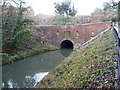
(37, 49)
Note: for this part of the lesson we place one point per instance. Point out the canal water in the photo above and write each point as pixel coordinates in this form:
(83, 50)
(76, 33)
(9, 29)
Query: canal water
(27, 72)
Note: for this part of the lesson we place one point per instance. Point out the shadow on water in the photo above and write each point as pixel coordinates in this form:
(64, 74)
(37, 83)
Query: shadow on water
(66, 51)
(27, 72)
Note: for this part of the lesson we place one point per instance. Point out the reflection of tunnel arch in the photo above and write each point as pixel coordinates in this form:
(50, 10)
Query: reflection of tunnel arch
(66, 44)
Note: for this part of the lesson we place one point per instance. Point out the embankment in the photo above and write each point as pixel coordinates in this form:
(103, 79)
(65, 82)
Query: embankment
(91, 66)
(20, 54)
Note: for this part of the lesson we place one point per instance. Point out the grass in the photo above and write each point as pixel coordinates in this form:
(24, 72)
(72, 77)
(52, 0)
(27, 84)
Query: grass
(23, 53)
(91, 66)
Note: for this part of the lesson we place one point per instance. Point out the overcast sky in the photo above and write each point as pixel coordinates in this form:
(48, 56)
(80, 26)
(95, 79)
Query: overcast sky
(84, 7)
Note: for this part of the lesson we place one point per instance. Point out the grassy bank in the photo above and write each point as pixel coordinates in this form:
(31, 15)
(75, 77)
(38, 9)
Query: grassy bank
(23, 53)
(91, 66)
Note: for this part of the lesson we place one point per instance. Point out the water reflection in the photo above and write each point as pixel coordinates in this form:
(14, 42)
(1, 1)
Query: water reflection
(66, 51)
(27, 72)
(29, 81)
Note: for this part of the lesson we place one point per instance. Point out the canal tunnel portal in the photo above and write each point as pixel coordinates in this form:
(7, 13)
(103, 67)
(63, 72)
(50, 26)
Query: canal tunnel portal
(64, 36)
(66, 44)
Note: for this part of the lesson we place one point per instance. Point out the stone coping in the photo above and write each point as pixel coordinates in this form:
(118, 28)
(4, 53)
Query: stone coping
(72, 25)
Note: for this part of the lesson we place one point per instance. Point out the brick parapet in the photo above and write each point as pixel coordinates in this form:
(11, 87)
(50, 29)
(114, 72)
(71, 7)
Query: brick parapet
(77, 33)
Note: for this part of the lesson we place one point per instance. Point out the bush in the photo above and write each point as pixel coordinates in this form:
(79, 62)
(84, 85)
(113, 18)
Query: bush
(61, 20)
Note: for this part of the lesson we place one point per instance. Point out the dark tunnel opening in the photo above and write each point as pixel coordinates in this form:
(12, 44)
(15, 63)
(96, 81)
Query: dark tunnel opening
(66, 44)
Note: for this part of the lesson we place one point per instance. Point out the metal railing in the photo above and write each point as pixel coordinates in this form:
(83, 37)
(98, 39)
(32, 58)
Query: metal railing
(117, 45)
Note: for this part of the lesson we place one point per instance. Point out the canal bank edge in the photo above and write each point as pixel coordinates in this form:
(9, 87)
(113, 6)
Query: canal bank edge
(91, 66)
(27, 53)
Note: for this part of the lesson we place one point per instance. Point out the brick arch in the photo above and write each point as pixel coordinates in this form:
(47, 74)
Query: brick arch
(77, 34)
(67, 43)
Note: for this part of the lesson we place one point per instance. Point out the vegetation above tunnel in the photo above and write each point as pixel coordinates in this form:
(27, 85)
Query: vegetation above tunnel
(91, 66)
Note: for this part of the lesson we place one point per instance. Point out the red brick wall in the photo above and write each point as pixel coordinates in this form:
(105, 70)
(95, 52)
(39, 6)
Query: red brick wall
(78, 34)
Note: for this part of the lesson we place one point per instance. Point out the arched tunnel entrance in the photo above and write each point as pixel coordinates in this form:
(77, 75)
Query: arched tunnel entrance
(66, 44)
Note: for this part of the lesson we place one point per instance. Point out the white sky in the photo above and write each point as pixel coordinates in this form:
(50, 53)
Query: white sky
(84, 7)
